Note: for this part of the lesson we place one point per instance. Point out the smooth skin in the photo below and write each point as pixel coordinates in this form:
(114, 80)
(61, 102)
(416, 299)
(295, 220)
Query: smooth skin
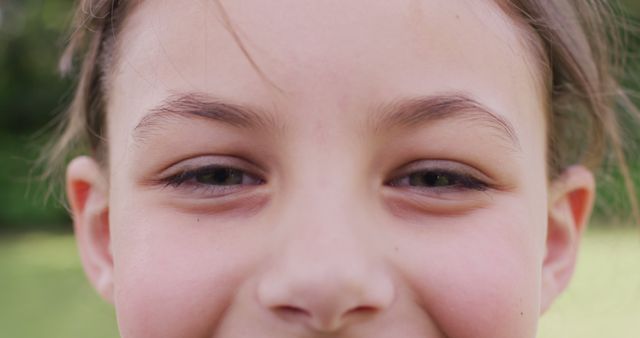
(336, 219)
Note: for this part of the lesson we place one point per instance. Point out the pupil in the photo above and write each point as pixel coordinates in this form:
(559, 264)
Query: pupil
(223, 176)
(430, 180)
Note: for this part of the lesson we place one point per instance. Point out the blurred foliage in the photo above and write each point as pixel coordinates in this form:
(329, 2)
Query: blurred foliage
(32, 94)
(31, 39)
(32, 36)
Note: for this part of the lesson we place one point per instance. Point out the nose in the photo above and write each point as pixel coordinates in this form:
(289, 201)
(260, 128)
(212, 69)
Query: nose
(325, 282)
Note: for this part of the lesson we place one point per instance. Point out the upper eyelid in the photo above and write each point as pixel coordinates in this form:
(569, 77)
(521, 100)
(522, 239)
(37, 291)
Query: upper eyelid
(163, 176)
(192, 173)
(464, 180)
(205, 161)
(180, 182)
(446, 166)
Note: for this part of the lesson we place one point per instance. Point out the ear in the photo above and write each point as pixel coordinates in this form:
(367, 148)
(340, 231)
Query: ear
(571, 199)
(87, 191)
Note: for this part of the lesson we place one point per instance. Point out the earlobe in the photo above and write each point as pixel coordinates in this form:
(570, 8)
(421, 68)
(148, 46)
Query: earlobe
(571, 198)
(87, 192)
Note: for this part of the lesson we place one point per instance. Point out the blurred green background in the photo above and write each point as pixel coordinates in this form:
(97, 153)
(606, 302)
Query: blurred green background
(43, 292)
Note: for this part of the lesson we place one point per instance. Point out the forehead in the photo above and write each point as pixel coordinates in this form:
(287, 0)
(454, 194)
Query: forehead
(327, 56)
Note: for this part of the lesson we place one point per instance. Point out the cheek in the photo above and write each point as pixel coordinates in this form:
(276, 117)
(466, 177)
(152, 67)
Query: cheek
(174, 274)
(477, 276)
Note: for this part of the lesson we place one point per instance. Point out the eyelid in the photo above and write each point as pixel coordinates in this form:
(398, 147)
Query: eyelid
(408, 200)
(185, 184)
(204, 161)
(163, 178)
(190, 177)
(446, 166)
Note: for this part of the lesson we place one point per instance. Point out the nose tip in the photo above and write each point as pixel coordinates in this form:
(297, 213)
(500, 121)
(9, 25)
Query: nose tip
(325, 304)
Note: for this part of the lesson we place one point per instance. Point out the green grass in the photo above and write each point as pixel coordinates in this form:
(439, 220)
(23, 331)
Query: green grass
(43, 292)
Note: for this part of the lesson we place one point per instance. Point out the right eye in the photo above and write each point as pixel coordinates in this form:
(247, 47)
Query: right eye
(212, 176)
(210, 180)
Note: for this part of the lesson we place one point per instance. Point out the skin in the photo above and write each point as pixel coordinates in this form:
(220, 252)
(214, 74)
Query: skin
(326, 235)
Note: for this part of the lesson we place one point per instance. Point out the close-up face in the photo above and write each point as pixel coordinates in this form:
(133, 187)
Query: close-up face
(325, 169)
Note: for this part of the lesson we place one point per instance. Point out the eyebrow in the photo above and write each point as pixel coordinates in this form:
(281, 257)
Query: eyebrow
(415, 112)
(405, 113)
(197, 105)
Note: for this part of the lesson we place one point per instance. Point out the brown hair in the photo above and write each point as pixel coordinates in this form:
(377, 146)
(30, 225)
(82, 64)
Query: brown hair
(578, 45)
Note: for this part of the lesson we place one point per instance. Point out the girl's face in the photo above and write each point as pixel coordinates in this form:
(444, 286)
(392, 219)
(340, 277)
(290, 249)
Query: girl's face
(373, 169)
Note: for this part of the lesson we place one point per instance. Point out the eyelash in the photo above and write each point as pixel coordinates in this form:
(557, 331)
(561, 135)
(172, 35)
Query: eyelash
(194, 178)
(455, 181)
(439, 180)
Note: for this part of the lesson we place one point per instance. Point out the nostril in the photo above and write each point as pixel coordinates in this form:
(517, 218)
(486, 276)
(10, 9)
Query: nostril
(324, 322)
(325, 299)
(362, 310)
(294, 313)
(291, 313)
(359, 313)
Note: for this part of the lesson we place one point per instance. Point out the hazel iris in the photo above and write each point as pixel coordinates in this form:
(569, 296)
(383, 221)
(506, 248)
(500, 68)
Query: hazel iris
(431, 179)
(220, 176)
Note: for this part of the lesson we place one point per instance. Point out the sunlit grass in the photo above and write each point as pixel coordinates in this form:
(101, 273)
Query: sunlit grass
(43, 291)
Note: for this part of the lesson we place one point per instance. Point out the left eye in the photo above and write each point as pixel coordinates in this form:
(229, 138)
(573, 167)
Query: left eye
(220, 176)
(433, 179)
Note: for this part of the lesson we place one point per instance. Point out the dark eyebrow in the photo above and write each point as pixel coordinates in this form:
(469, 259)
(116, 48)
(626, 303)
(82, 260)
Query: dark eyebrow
(403, 113)
(414, 112)
(201, 105)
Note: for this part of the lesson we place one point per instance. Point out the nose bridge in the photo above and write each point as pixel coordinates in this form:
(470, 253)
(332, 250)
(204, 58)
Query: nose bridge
(324, 217)
(327, 233)
(322, 223)
(327, 179)
(325, 268)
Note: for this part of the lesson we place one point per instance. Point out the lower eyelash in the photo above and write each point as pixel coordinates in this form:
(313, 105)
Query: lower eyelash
(208, 189)
(178, 179)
